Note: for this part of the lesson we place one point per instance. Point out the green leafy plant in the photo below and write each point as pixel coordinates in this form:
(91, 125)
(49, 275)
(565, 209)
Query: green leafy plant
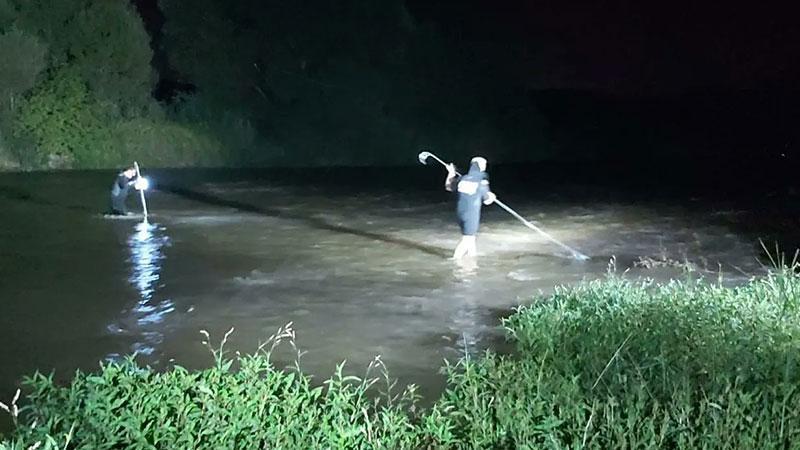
(67, 126)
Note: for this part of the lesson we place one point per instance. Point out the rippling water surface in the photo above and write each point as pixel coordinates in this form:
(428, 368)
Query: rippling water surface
(360, 269)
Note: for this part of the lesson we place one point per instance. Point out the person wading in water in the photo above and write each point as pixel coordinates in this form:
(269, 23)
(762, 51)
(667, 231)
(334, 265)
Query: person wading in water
(121, 188)
(473, 191)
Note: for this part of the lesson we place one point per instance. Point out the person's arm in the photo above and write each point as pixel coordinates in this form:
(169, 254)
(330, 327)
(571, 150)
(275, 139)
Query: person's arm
(123, 181)
(452, 178)
(488, 196)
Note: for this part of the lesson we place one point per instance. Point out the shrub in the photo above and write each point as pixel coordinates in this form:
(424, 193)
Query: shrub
(256, 406)
(161, 143)
(24, 58)
(65, 124)
(615, 363)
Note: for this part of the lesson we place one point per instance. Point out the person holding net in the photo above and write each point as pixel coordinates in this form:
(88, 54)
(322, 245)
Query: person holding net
(473, 192)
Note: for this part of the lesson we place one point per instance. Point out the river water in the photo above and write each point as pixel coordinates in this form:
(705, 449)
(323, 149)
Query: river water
(356, 260)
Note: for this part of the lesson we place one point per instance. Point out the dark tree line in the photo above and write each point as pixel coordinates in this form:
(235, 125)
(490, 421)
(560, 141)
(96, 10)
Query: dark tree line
(76, 90)
(311, 82)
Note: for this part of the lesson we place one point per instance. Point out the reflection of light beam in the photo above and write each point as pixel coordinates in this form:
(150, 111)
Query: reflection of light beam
(146, 256)
(155, 314)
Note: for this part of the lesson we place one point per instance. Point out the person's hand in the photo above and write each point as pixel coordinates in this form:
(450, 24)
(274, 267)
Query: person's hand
(490, 198)
(451, 169)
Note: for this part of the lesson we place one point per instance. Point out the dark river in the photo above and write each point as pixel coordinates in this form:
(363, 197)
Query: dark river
(357, 260)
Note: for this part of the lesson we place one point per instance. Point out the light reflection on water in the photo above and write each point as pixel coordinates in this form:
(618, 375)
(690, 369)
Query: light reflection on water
(143, 320)
(359, 273)
(146, 256)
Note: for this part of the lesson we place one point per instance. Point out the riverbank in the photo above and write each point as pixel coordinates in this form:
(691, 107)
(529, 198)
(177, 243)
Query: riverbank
(606, 364)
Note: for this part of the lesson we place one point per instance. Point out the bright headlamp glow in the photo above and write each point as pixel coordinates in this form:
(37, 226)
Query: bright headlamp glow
(142, 184)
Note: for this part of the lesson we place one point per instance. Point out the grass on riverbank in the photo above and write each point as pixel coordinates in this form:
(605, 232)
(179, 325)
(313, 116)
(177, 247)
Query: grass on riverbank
(608, 364)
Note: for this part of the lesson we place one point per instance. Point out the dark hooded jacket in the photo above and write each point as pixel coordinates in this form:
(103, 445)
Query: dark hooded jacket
(119, 193)
(471, 189)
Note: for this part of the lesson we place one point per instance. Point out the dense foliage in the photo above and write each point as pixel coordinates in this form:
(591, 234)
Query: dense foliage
(331, 82)
(317, 82)
(355, 82)
(607, 364)
(76, 90)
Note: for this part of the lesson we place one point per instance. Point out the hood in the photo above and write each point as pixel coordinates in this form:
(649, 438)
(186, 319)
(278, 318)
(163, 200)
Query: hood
(476, 173)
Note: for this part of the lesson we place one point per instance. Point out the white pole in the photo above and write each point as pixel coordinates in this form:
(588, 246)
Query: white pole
(437, 158)
(575, 254)
(141, 191)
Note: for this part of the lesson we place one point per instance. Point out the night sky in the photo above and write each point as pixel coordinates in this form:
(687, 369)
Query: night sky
(612, 80)
(632, 47)
(716, 82)
(627, 46)
(618, 46)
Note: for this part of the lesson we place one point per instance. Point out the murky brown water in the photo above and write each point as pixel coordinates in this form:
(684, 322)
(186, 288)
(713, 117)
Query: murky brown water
(359, 271)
